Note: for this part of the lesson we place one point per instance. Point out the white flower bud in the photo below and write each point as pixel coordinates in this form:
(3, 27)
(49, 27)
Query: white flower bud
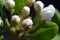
(27, 22)
(15, 19)
(30, 2)
(10, 4)
(38, 5)
(47, 13)
(1, 22)
(26, 10)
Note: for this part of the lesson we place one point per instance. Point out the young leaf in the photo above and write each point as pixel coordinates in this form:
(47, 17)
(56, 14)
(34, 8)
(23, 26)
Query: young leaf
(19, 4)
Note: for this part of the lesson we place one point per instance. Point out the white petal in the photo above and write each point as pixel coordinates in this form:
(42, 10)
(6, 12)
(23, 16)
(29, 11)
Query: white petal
(52, 8)
(48, 12)
(47, 15)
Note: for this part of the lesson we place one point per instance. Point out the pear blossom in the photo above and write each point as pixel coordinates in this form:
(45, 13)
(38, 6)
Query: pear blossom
(15, 19)
(30, 2)
(27, 22)
(26, 10)
(38, 5)
(48, 12)
(10, 4)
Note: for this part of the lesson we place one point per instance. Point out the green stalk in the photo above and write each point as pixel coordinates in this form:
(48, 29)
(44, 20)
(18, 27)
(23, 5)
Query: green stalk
(3, 14)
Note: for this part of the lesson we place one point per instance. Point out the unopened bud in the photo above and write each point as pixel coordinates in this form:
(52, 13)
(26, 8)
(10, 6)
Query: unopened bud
(10, 4)
(30, 2)
(27, 22)
(38, 6)
(15, 19)
(26, 11)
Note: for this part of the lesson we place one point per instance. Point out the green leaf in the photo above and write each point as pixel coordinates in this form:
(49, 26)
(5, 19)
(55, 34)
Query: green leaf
(47, 31)
(56, 18)
(57, 37)
(19, 4)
